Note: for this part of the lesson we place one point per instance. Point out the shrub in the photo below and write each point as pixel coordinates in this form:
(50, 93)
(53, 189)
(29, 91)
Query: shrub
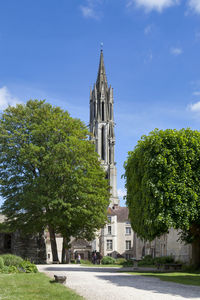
(85, 262)
(108, 260)
(1, 263)
(27, 267)
(11, 260)
(128, 263)
(146, 261)
(163, 260)
(191, 269)
(9, 269)
(120, 261)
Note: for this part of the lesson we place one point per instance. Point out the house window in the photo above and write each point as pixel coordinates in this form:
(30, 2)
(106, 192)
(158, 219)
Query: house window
(109, 229)
(128, 245)
(109, 245)
(128, 230)
(128, 256)
(109, 219)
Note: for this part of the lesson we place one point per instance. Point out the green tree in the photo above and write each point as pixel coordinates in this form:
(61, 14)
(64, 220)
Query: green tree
(50, 175)
(162, 178)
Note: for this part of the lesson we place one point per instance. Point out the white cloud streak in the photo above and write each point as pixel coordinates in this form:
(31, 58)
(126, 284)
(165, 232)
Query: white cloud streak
(6, 98)
(91, 9)
(176, 51)
(195, 5)
(149, 5)
(195, 107)
(88, 12)
(148, 29)
(197, 93)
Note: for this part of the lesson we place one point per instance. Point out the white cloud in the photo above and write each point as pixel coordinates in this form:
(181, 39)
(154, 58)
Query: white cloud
(121, 193)
(6, 98)
(148, 58)
(195, 5)
(176, 51)
(88, 12)
(91, 9)
(150, 5)
(195, 107)
(197, 93)
(148, 29)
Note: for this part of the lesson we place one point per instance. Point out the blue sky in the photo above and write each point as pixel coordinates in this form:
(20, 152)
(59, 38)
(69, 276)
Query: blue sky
(50, 50)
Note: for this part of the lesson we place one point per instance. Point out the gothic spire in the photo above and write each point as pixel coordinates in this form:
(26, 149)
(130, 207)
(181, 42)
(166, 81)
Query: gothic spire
(101, 77)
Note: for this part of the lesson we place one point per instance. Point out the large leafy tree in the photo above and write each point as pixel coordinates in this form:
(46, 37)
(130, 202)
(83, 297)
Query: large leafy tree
(163, 185)
(50, 175)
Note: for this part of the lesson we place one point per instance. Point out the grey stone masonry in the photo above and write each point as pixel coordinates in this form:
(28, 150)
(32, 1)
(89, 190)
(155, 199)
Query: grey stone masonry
(102, 127)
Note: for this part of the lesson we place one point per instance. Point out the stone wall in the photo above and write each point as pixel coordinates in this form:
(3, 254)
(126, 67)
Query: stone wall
(29, 247)
(179, 250)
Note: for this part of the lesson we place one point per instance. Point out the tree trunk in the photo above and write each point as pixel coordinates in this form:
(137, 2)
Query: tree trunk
(196, 253)
(53, 244)
(64, 251)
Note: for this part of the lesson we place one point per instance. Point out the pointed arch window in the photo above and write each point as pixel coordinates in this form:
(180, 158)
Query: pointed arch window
(111, 111)
(103, 114)
(103, 143)
(94, 110)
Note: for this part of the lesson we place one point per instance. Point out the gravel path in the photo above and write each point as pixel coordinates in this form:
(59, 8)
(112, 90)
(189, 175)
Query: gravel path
(108, 284)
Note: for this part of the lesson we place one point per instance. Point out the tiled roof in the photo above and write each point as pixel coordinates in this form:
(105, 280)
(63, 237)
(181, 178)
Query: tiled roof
(120, 212)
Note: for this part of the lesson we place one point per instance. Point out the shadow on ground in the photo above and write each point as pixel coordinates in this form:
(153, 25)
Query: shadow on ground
(82, 269)
(153, 284)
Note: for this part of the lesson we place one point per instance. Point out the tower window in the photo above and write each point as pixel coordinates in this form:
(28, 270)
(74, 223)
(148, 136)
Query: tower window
(94, 110)
(102, 111)
(110, 111)
(102, 144)
(110, 158)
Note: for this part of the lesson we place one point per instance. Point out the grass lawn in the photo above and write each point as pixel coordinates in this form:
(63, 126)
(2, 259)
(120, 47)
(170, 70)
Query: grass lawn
(33, 287)
(178, 277)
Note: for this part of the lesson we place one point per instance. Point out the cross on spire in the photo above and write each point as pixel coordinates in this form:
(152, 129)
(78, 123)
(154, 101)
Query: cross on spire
(101, 77)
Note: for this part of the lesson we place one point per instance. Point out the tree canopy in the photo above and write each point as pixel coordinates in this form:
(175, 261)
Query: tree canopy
(162, 178)
(50, 174)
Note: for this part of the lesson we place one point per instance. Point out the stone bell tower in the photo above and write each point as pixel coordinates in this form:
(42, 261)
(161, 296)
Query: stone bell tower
(102, 127)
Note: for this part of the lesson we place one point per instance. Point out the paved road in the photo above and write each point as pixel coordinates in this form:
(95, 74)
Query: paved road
(109, 284)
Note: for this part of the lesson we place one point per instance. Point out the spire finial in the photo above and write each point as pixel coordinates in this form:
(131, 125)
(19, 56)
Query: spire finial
(101, 46)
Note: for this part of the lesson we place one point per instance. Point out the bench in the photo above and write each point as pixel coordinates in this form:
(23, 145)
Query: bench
(135, 263)
(169, 267)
